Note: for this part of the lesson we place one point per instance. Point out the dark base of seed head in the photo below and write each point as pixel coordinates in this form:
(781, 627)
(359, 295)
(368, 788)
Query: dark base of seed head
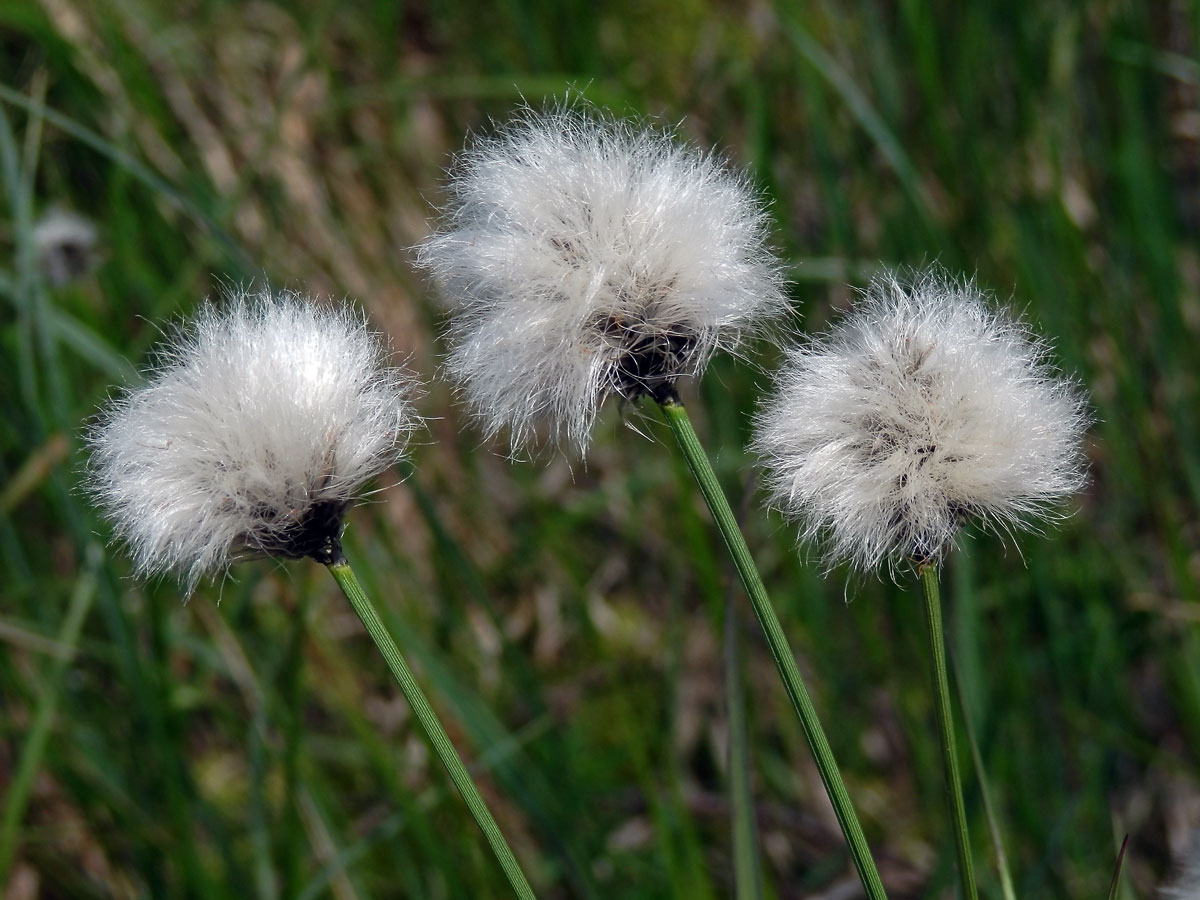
(648, 364)
(927, 548)
(316, 534)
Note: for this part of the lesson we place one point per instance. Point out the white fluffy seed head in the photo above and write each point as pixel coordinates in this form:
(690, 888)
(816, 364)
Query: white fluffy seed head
(253, 435)
(586, 257)
(925, 407)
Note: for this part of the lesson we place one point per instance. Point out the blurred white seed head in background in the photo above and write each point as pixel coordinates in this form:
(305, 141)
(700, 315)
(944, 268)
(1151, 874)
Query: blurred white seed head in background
(259, 426)
(923, 408)
(585, 257)
(65, 244)
(1185, 885)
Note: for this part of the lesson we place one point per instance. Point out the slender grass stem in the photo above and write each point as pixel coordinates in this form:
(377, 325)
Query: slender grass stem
(681, 425)
(945, 720)
(344, 576)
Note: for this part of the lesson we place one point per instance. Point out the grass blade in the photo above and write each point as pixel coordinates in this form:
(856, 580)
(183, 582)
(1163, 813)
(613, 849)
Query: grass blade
(993, 822)
(1116, 879)
(43, 720)
(747, 867)
(865, 113)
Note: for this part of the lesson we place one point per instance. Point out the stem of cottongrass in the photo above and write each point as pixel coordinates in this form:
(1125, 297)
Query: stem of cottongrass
(344, 576)
(681, 425)
(941, 693)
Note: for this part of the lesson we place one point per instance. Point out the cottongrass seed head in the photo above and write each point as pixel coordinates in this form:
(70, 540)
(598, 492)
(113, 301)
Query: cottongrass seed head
(251, 438)
(587, 257)
(923, 408)
(65, 244)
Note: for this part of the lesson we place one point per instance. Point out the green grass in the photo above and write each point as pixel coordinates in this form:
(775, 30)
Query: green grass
(568, 622)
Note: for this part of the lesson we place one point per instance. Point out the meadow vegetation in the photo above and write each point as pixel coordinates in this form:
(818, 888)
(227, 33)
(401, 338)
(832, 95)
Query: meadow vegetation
(568, 619)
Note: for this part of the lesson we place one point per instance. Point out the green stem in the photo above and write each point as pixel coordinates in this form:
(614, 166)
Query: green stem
(941, 693)
(681, 425)
(344, 575)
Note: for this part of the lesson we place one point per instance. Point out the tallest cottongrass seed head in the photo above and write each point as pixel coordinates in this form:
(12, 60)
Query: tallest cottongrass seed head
(923, 409)
(252, 437)
(587, 257)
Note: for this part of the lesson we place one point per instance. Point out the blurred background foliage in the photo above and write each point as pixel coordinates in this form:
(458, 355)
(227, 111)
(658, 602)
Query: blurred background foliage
(567, 618)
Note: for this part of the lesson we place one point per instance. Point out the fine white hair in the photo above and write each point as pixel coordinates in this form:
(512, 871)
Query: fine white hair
(585, 257)
(256, 430)
(923, 408)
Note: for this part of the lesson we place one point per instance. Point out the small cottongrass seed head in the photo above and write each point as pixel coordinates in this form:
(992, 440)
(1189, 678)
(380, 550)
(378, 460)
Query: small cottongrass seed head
(586, 257)
(252, 436)
(65, 244)
(924, 408)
